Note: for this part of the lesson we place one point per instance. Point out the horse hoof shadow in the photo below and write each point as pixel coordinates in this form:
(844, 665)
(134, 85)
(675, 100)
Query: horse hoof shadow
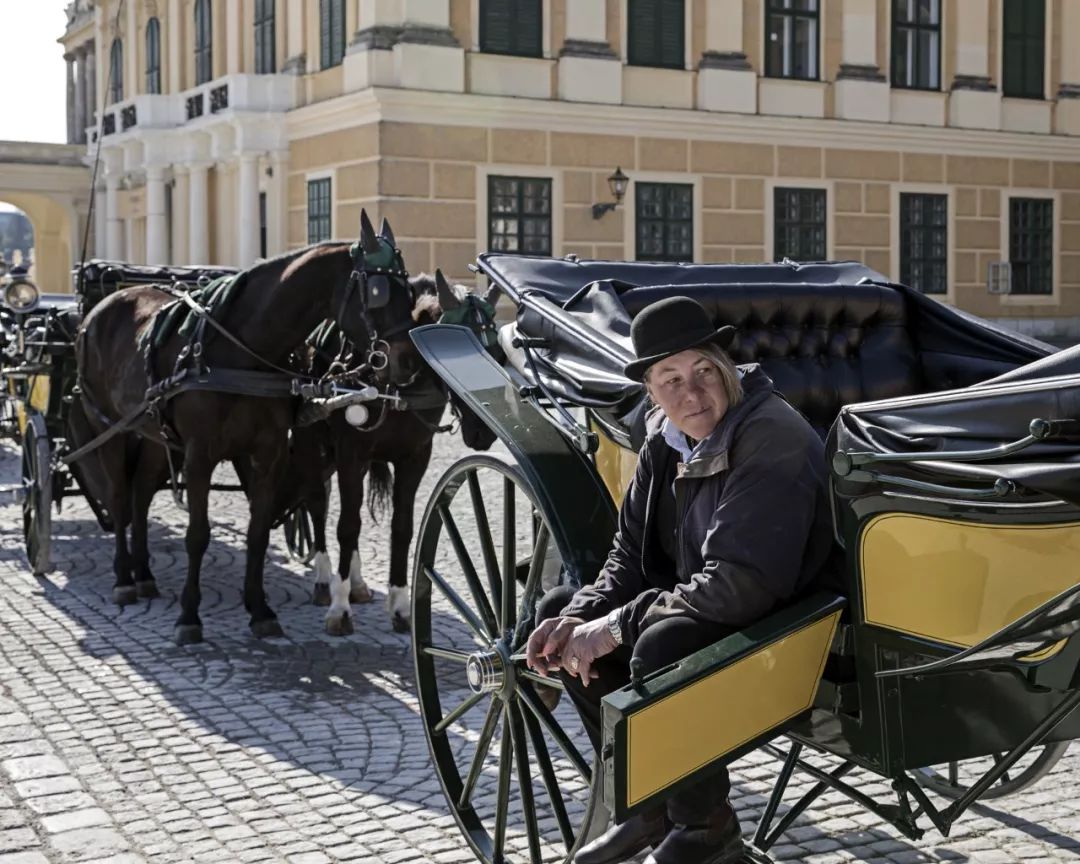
(320, 594)
(400, 624)
(147, 589)
(268, 628)
(124, 595)
(342, 626)
(188, 634)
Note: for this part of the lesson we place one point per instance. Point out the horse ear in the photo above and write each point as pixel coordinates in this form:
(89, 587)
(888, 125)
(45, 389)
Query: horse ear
(447, 298)
(387, 234)
(369, 243)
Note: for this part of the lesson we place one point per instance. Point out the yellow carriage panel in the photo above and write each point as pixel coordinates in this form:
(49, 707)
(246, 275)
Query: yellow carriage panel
(960, 582)
(616, 465)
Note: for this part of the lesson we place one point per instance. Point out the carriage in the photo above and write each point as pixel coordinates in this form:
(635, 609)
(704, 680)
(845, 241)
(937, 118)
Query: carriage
(948, 667)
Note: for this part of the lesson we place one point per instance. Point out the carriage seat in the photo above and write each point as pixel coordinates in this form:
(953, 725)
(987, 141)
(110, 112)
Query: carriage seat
(824, 346)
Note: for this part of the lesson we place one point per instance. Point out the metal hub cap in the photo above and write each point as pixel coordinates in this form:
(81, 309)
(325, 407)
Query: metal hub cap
(484, 671)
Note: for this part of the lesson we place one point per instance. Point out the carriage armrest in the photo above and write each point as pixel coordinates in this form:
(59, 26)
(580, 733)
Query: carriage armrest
(686, 721)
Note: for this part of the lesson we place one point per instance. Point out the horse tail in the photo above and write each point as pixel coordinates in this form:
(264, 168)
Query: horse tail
(380, 487)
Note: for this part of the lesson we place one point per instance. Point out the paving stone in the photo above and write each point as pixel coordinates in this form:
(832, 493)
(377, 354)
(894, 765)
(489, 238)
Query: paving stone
(75, 819)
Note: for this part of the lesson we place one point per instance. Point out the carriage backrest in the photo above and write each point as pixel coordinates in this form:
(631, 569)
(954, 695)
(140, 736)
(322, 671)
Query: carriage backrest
(825, 346)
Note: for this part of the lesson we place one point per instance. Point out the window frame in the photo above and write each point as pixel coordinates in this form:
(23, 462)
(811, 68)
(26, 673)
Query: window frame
(1042, 56)
(772, 8)
(265, 45)
(313, 180)
(116, 71)
(635, 232)
(914, 27)
(784, 185)
(495, 176)
(657, 61)
(1031, 196)
(204, 42)
(153, 57)
(331, 50)
(515, 50)
(903, 277)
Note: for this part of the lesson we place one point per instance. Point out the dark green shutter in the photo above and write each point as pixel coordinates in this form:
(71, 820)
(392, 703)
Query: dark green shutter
(656, 33)
(1024, 42)
(512, 27)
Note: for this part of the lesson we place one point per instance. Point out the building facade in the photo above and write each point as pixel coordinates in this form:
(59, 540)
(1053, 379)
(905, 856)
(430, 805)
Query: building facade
(938, 141)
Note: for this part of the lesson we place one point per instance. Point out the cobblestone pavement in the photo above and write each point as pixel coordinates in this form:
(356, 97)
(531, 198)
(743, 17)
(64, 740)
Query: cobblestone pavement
(116, 745)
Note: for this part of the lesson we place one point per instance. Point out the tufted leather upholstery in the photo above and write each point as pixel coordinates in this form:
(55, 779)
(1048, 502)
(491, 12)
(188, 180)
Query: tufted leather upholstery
(823, 348)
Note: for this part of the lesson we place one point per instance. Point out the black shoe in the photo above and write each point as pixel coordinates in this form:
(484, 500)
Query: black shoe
(621, 842)
(713, 843)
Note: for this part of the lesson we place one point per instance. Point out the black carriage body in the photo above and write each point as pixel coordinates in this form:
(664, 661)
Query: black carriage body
(904, 374)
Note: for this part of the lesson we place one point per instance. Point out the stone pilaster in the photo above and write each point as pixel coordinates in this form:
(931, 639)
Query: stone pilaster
(1067, 110)
(861, 91)
(726, 81)
(974, 100)
(589, 70)
(72, 138)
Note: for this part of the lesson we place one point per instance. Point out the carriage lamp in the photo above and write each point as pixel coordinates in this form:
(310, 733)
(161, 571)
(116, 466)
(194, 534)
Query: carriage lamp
(20, 294)
(617, 182)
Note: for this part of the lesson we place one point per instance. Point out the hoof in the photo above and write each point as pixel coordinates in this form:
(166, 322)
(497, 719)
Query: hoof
(188, 634)
(400, 624)
(320, 595)
(124, 595)
(342, 626)
(361, 595)
(147, 589)
(268, 628)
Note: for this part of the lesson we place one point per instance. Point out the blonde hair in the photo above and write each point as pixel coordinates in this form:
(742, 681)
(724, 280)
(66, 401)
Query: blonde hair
(729, 373)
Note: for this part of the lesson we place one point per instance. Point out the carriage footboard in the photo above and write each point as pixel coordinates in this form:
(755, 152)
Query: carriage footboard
(683, 723)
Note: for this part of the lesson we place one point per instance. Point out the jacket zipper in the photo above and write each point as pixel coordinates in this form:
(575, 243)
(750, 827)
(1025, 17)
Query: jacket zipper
(680, 506)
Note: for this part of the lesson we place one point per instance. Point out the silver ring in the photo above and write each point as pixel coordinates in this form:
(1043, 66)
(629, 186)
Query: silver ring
(574, 663)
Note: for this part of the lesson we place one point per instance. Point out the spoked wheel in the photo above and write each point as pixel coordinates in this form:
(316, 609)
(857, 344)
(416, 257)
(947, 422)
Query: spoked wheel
(954, 778)
(512, 757)
(299, 528)
(37, 486)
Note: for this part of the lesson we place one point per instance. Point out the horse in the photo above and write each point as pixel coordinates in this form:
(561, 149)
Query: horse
(271, 310)
(399, 438)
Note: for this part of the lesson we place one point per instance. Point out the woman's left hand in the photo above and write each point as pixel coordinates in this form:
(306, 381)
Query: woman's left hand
(588, 643)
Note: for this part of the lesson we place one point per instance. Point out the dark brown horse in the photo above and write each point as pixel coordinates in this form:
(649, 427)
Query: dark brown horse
(397, 439)
(277, 304)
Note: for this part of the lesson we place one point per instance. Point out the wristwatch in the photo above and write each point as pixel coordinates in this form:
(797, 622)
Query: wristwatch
(613, 626)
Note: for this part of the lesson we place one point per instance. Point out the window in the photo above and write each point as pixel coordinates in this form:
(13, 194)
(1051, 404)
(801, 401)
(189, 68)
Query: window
(655, 33)
(519, 214)
(1031, 245)
(799, 224)
(924, 221)
(791, 39)
(204, 29)
(916, 44)
(116, 71)
(331, 33)
(319, 202)
(264, 38)
(1024, 43)
(153, 56)
(262, 224)
(665, 221)
(512, 27)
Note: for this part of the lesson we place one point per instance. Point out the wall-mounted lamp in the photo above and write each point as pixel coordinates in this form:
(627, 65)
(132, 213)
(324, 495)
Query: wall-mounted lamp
(617, 182)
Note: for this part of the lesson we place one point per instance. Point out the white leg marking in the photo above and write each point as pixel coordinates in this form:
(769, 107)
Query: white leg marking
(397, 602)
(322, 569)
(359, 592)
(339, 599)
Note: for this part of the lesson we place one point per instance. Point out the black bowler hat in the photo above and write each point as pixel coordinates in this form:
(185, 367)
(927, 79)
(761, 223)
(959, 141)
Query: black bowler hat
(668, 326)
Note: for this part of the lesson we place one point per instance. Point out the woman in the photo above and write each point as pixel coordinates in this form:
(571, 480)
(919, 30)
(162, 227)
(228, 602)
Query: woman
(726, 519)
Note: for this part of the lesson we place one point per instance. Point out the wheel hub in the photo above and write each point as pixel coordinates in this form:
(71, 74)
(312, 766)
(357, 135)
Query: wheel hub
(485, 672)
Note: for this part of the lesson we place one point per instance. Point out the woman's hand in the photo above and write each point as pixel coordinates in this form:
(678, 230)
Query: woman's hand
(590, 641)
(544, 650)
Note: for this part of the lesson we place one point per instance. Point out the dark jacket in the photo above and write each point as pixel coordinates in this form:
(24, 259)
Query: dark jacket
(754, 525)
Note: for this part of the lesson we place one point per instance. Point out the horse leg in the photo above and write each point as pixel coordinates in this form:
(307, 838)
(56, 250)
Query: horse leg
(351, 488)
(268, 470)
(114, 463)
(317, 505)
(407, 477)
(198, 468)
(152, 467)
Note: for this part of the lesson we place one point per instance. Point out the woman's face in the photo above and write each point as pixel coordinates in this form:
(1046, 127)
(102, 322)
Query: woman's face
(690, 390)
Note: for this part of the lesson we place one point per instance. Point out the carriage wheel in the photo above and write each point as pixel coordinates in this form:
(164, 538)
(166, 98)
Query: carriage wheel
(513, 759)
(37, 483)
(954, 778)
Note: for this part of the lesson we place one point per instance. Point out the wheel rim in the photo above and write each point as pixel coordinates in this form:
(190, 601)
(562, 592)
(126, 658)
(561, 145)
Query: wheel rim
(299, 535)
(518, 777)
(37, 495)
(953, 779)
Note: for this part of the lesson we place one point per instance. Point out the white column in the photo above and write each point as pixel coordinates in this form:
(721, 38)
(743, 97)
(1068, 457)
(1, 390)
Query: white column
(114, 240)
(131, 44)
(174, 27)
(248, 217)
(277, 204)
(862, 92)
(180, 203)
(91, 85)
(726, 81)
(157, 224)
(295, 58)
(198, 214)
(975, 102)
(234, 48)
(589, 71)
(81, 121)
(1067, 111)
(101, 222)
(70, 59)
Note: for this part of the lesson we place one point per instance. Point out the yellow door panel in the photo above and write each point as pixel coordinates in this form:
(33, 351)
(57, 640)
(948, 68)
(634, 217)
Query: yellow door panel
(615, 464)
(715, 715)
(959, 582)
